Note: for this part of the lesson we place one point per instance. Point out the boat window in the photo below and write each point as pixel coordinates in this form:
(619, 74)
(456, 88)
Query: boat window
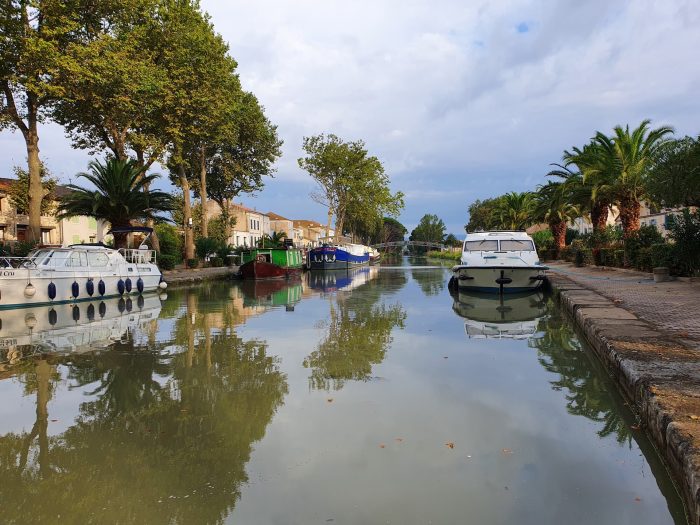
(513, 245)
(77, 259)
(48, 259)
(481, 246)
(97, 259)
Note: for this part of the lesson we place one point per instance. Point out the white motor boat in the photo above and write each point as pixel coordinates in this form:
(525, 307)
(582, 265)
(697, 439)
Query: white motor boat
(79, 272)
(498, 261)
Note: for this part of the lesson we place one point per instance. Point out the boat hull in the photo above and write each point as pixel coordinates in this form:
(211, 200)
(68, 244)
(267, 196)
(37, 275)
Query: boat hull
(266, 270)
(497, 279)
(335, 258)
(14, 294)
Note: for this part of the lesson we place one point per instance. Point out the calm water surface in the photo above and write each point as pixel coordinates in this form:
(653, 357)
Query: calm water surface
(370, 398)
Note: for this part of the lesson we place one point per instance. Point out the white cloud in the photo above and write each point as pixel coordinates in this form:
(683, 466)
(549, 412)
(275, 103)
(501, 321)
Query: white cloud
(450, 95)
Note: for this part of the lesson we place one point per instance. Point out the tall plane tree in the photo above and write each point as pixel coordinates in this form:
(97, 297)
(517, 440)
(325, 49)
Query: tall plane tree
(348, 179)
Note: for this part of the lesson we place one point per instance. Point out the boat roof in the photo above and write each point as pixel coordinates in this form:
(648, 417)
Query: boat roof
(497, 235)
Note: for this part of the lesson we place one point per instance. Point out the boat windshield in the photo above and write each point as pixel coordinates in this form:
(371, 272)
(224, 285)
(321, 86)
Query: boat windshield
(486, 245)
(513, 245)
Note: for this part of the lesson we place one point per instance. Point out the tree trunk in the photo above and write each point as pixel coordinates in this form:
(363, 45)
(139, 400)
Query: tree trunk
(187, 214)
(328, 224)
(43, 395)
(599, 216)
(203, 191)
(559, 233)
(629, 215)
(36, 190)
(147, 187)
(225, 213)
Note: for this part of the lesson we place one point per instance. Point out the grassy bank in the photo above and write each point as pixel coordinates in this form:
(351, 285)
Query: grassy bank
(448, 256)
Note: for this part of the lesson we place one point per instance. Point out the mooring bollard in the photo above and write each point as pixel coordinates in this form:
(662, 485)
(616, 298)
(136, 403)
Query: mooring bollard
(661, 275)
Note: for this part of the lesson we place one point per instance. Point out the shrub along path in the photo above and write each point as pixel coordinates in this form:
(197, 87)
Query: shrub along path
(672, 307)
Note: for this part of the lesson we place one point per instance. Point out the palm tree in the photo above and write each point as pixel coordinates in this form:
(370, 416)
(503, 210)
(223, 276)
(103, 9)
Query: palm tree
(632, 155)
(553, 204)
(274, 240)
(514, 210)
(118, 198)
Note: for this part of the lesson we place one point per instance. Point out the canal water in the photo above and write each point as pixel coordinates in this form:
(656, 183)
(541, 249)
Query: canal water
(371, 397)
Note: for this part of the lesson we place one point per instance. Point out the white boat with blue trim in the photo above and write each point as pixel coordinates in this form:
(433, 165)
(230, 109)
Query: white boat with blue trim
(500, 262)
(78, 272)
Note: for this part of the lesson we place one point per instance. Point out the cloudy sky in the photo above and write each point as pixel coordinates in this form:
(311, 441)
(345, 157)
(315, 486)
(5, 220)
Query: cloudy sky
(460, 100)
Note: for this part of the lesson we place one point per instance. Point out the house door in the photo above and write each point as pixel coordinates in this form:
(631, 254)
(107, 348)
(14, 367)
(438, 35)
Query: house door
(21, 233)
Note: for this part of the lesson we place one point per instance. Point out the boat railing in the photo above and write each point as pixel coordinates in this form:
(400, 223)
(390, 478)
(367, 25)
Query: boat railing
(138, 256)
(17, 262)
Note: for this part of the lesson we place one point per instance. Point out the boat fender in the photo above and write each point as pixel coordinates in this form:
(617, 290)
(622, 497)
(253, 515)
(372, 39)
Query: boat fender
(102, 309)
(29, 291)
(91, 312)
(139, 285)
(53, 317)
(162, 285)
(52, 291)
(121, 305)
(75, 289)
(101, 287)
(120, 287)
(128, 285)
(129, 304)
(76, 313)
(90, 287)
(504, 280)
(140, 302)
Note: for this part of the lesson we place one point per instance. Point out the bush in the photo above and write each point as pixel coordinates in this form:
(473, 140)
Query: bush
(544, 240)
(216, 262)
(170, 241)
(664, 254)
(22, 248)
(685, 232)
(223, 254)
(618, 258)
(166, 262)
(643, 238)
(448, 255)
(192, 263)
(206, 246)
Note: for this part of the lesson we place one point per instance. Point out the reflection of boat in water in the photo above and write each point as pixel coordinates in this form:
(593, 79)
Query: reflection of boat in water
(345, 280)
(271, 293)
(80, 327)
(514, 316)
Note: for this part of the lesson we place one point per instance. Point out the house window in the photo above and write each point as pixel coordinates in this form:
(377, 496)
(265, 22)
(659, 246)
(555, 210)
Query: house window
(45, 236)
(76, 239)
(92, 223)
(2, 233)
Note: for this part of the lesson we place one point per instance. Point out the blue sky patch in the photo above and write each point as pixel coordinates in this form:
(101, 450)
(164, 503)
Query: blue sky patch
(522, 27)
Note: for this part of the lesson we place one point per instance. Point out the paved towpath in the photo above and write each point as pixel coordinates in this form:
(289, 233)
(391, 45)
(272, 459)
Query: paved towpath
(672, 307)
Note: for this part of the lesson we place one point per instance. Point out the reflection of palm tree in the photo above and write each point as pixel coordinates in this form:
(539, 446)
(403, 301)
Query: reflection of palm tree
(586, 393)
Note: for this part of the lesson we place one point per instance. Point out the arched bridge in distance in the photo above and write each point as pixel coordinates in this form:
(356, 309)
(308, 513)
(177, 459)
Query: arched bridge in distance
(407, 244)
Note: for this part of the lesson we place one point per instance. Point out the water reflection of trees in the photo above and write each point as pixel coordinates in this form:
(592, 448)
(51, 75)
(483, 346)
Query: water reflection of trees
(586, 391)
(431, 282)
(359, 332)
(164, 436)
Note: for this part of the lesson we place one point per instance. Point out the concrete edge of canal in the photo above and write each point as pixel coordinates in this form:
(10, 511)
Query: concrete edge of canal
(657, 373)
(180, 277)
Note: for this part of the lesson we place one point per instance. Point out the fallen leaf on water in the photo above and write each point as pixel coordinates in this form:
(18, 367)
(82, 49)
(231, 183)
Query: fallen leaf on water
(693, 416)
(382, 445)
(330, 399)
(445, 357)
(450, 444)
(506, 451)
(54, 420)
(398, 440)
(637, 499)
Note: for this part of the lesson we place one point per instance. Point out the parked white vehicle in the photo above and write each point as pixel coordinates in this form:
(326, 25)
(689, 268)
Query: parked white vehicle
(77, 273)
(498, 261)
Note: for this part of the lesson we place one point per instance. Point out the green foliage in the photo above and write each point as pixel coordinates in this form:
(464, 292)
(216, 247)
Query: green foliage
(482, 215)
(170, 241)
(544, 240)
(447, 255)
(391, 231)
(207, 246)
(119, 197)
(166, 262)
(23, 248)
(216, 262)
(515, 211)
(430, 229)
(18, 192)
(352, 184)
(192, 263)
(674, 177)
(685, 232)
(452, 240)
(610, 236)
